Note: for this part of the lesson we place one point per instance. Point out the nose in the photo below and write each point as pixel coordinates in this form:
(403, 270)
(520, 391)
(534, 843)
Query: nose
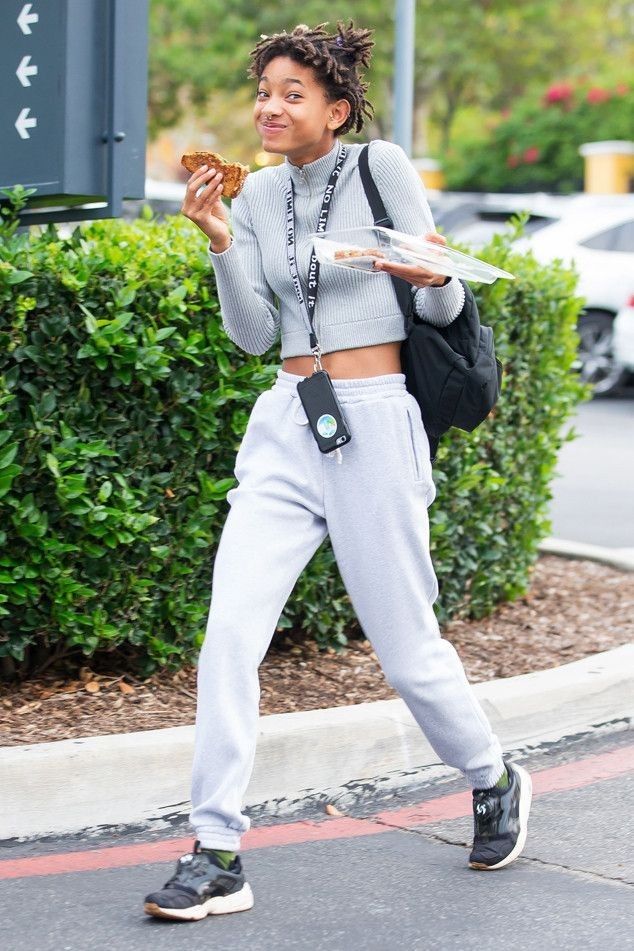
(270, 108)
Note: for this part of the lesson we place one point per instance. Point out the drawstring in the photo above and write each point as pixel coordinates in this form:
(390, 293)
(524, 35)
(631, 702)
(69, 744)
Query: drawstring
(300, 422)
(304, 422)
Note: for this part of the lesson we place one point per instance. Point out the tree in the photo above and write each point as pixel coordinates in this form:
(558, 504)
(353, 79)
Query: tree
(487, 53)
(200, 47)
(470, 53)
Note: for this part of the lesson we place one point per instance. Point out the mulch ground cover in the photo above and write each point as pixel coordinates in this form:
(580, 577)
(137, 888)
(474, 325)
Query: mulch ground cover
(572, 609)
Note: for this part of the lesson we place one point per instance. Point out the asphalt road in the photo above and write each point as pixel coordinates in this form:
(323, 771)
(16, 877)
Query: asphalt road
(390, 874)
(593, 495)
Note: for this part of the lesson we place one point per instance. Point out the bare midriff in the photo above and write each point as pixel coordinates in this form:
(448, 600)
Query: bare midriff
(353, 363)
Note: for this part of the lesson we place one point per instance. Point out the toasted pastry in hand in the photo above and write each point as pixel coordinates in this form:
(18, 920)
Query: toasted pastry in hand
(234, 173)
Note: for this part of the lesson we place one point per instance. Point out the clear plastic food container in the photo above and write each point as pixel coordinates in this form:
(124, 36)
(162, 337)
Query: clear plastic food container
(359, 248)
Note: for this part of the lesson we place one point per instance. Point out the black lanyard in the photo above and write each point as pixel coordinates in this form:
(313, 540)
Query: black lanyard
(313, 268)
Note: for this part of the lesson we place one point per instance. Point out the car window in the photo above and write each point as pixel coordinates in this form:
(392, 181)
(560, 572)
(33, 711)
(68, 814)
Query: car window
(625, 238)
(478, 230)
(477, 233)
(619, 238)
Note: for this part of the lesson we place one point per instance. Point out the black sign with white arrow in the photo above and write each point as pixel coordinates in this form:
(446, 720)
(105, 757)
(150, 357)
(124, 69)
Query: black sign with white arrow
(73, 103)
(26, 18)
(24, 70)
(31, 102)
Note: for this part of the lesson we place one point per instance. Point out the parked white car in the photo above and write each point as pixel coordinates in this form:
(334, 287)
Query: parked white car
(623, 335)
(593, 232)
(596, 234)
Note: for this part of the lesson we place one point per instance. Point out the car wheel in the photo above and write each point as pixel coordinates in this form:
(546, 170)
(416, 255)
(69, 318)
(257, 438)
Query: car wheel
(596, 362)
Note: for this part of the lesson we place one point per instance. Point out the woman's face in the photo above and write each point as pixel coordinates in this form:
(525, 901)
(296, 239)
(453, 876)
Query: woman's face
(292, 114)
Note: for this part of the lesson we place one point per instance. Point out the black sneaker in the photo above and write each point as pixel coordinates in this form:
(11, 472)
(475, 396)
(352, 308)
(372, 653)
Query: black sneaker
(201, 887)
(500, 818)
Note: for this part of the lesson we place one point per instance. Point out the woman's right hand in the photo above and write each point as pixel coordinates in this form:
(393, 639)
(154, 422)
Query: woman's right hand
(207, 210)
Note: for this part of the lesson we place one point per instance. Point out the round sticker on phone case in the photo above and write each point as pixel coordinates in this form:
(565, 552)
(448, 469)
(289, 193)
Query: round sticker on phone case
(326, 425)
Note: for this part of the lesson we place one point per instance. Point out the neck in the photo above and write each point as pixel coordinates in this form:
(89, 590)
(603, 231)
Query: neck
(304, 157)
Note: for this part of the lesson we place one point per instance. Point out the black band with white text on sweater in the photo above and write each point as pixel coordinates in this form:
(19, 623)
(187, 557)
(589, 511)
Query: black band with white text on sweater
(313, 268)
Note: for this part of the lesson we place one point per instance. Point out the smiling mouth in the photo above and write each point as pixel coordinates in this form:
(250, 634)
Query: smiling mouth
(273, 128)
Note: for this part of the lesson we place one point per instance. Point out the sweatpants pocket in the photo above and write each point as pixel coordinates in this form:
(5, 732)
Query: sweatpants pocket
(254, 423)
(415, 448)
(418, 448)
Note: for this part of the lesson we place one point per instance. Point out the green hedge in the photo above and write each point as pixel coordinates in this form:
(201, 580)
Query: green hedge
(494, 485)
(122, 406)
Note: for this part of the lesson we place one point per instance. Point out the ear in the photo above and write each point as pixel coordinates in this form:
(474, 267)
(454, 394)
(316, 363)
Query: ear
(338, 113)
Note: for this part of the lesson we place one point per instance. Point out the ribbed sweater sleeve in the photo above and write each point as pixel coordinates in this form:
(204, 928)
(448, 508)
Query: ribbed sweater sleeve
(405, 200)
(249, 312)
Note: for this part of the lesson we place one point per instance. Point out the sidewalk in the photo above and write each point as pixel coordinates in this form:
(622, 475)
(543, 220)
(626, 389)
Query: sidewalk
(615, 557)
(142, 778)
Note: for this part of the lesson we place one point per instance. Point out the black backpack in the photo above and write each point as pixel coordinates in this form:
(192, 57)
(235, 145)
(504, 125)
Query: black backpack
(452, 371)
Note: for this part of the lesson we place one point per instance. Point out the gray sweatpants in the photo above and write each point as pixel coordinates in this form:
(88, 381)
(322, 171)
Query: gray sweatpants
(371, 497)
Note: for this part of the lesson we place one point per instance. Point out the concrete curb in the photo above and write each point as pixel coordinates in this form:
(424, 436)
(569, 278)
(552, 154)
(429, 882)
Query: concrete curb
(615, 557)
(80, 785)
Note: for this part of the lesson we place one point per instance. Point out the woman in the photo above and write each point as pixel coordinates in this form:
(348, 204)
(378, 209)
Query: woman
(371, 496)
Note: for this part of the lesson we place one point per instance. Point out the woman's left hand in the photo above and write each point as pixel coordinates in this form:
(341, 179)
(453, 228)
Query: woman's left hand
(413, 273)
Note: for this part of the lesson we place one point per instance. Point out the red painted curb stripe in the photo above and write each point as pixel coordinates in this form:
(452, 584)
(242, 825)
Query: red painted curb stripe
(575, 775)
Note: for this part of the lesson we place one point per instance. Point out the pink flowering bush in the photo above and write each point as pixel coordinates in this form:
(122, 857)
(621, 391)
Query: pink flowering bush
(534, 145)
(597, 94)
(559, 93)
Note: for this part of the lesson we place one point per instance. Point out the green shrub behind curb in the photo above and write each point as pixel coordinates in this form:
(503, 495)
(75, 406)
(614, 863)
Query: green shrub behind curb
(123, 403)
(494, 485)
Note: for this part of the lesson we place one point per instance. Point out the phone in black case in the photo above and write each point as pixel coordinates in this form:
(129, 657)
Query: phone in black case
(323, 411)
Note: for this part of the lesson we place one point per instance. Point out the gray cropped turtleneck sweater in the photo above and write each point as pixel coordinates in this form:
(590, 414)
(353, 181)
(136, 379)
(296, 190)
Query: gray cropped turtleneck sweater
(354, 309)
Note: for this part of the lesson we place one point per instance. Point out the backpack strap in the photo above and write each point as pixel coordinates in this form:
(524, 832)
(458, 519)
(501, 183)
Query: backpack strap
(382, 219)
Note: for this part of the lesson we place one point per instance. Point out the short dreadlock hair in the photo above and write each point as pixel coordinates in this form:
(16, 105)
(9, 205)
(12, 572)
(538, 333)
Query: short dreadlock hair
(336, 58)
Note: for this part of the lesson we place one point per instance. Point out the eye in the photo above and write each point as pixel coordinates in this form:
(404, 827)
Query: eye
(261, 92)
(294, 94)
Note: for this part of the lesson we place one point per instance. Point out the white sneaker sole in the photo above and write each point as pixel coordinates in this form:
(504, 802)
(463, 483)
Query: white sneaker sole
(526, 795)
(218, 905)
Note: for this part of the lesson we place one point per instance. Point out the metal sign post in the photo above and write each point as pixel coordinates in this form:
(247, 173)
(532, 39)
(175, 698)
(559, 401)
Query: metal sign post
(404, 74)
(114, 133)
(73, 105)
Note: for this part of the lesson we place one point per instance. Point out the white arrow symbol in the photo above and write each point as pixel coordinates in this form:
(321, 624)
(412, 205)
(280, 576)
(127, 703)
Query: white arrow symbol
(24, 71)
(22, 123)
(25, 18)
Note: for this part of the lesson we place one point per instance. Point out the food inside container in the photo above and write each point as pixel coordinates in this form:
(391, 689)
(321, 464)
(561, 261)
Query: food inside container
(360, 248)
